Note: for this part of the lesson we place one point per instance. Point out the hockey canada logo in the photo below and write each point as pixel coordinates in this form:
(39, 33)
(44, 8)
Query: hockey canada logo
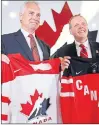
(36, 112)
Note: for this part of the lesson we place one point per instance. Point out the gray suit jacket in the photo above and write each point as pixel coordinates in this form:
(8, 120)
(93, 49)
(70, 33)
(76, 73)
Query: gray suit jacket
(15, 43)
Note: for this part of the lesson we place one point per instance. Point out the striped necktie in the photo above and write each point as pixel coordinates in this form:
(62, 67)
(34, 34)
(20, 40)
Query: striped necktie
(34, 48)
(83, 52)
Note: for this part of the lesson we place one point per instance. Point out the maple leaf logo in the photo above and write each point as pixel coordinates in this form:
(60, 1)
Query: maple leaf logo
(46, 33)
(27, 108)
(38, 107)
(40, 111)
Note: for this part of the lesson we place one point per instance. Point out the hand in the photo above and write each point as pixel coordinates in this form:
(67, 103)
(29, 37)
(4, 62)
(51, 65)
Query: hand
(65, 62)
(4, 58)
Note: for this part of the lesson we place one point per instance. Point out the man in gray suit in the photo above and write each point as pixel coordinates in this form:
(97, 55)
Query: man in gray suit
(20, 41)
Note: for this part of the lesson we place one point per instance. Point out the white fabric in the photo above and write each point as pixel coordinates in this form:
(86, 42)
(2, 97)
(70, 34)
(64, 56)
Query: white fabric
(20, 91)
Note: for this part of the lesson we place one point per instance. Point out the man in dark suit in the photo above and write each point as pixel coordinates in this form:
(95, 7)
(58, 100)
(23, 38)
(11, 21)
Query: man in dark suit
(20, 41)
(82, 46)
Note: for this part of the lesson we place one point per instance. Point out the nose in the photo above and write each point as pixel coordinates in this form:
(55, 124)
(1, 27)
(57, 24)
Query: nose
(81, 26)
(35, 17)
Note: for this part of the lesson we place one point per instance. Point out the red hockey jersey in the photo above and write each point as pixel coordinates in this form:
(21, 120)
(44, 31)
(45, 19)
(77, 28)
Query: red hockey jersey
(79, 96)
(30, 91)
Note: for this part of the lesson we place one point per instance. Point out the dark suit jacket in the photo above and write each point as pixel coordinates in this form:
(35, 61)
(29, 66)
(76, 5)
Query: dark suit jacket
(70, 50)
(16, 43)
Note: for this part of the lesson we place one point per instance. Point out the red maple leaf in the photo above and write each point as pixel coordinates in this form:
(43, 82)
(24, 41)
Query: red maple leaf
(46, 33)
(27, 108)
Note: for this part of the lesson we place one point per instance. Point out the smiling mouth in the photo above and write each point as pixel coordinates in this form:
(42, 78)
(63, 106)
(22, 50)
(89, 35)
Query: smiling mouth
(82, 31)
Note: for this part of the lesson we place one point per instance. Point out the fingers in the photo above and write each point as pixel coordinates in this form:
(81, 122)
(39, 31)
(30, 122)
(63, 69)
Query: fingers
(66, 59)
(65, 62)
(4, 58)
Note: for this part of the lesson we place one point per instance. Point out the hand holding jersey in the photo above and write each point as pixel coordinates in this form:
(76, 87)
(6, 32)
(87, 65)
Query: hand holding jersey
(65, 62)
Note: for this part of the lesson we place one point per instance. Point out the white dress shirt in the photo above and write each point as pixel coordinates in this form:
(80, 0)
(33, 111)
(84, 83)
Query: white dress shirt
(87, 46)
(25, 33)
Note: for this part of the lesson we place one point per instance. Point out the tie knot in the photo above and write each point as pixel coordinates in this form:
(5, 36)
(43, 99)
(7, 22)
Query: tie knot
(30, 35)
(82, 46)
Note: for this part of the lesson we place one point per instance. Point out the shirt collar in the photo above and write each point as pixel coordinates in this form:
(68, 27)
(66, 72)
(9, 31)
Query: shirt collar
(86, 43)
(25, 33)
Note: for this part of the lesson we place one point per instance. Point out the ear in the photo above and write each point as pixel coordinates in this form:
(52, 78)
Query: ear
(20, 16)
(70, 31)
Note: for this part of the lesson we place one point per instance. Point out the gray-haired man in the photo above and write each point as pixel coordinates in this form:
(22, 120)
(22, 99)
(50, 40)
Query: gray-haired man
(22, 40)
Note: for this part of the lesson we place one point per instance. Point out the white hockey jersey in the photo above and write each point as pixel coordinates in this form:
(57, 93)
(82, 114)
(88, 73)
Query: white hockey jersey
(30, 91)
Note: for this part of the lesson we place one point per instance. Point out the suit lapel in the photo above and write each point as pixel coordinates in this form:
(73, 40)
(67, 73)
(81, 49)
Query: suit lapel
(73, 51)
(22, 41)
(93, 49)
(45, 54)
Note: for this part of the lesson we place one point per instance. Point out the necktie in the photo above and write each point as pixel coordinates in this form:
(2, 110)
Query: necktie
(34, 48)
(83, 52)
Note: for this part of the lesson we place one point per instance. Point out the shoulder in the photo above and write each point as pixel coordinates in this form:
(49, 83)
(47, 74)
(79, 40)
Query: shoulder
(94, 44)
(64, 50)
(9, 35)
(6, 38)
(66, 47)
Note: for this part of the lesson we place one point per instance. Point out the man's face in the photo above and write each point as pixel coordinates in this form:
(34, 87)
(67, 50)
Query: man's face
(30, 19)
(79, 28)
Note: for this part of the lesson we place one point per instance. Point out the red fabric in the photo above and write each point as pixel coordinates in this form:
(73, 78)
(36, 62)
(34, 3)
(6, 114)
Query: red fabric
(5, 99)
(80, 108)
(83, 52)
(19, 66)
(18, 62)
(4, 117)
(34, 48)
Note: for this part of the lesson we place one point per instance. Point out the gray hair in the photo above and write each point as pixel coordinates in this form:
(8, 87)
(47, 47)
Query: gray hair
(22, 8)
